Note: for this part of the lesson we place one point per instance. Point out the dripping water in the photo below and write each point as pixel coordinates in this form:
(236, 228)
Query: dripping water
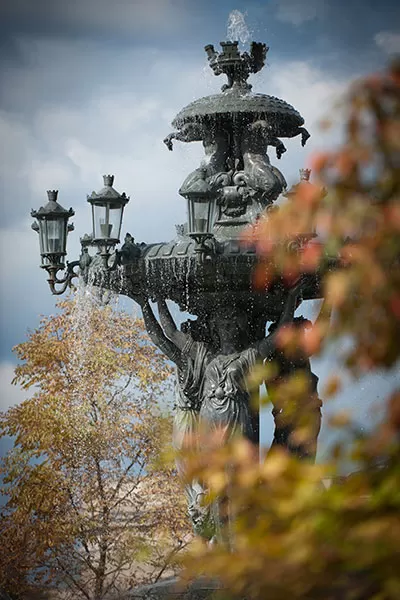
(87, 298)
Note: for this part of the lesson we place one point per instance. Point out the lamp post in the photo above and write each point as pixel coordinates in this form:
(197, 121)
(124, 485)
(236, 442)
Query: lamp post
(107, 212)
(52, 226)
(201, 212)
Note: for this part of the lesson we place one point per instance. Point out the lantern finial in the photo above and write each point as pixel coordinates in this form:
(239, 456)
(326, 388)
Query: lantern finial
(52, 195)
(108, 180)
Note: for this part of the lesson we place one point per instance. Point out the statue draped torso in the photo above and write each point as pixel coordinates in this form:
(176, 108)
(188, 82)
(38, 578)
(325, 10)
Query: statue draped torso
(185, 429)
(188, 393)
(225, 395)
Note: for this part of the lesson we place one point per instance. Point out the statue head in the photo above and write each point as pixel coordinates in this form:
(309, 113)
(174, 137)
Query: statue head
(255, 139)
(298, 322)
(197, 329)
(231, 327)
(301, 322)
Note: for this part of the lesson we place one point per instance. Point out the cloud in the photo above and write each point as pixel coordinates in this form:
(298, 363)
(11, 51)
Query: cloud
(68, 140)
(10, 394)
(63, 128)
(314, 93)
(99, 16)
(388, 42)
(297, 12)
(67, 134)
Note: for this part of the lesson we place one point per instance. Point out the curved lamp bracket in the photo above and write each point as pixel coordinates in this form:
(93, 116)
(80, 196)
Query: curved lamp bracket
(65, 281)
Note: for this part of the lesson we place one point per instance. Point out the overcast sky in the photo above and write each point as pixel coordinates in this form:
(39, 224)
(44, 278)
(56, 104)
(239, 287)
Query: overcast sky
(89, 87)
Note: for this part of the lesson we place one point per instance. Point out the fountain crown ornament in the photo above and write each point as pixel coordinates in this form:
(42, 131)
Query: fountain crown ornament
(236, 66)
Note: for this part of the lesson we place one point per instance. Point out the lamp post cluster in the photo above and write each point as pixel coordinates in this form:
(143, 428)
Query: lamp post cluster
(107, 212)
(53, 228)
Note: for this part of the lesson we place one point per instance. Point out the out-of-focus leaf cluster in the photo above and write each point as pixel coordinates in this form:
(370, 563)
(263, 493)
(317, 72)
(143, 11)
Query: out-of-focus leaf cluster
(302, 530)
(294, 536)
(354, 207)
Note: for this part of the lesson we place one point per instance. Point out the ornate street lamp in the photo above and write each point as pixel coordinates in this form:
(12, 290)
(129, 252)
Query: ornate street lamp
(52, 227)
(107, 211)
(201, 210)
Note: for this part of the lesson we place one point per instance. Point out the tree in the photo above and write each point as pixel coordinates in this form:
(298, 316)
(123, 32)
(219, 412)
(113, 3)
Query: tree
(90, 508)
(292, 537)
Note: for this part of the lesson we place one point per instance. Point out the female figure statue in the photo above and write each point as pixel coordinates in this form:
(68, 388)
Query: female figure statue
(306, 414)
(212, 391)
(213, 167)
(225, 404)
(190, 354)
(195, 353)
(215, 143)
(225, 395)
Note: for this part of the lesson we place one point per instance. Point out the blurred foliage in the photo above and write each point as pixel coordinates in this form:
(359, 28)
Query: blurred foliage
(90, 508)
(293, 535)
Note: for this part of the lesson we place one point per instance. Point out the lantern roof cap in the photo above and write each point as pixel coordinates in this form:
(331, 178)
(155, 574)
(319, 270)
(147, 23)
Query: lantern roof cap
(196, 185)
(108, 193)
(52, 208)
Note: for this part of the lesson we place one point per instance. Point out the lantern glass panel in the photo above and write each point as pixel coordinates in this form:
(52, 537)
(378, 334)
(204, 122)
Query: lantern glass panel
(52, 239)
(107, 221)
(42, 245)
(54, 236)
(41, 234)
(201, 215)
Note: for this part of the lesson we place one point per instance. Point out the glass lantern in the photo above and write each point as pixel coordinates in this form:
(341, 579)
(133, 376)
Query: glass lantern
(201, 204)
(52, 227)
(107, 212)
(201, 214)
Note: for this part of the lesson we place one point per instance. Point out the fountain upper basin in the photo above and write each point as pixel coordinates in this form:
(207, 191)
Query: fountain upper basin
(250, 107)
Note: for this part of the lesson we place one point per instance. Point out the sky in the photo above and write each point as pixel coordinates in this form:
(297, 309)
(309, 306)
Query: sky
(89, 87)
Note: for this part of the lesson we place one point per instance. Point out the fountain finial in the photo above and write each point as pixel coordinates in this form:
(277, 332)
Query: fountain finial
(236, 66)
